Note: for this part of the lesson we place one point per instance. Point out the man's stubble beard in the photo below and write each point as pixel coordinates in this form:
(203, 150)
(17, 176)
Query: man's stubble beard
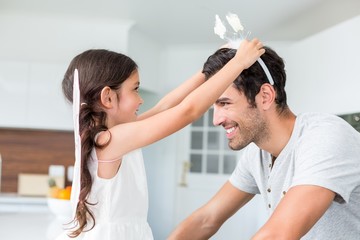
(252, 129)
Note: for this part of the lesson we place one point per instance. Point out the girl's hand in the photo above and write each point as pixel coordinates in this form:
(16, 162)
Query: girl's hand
(249, 51)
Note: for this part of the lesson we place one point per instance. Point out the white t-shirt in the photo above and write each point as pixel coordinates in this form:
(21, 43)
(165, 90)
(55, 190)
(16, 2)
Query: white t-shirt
(323, 150)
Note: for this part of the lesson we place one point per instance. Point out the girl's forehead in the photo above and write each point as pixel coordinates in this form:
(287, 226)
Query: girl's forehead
(133, 79)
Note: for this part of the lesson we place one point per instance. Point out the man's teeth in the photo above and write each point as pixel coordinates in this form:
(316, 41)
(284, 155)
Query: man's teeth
(230, 130)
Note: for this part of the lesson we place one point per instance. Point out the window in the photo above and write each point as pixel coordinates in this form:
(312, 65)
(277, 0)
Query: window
(209, 151)
(353, 119)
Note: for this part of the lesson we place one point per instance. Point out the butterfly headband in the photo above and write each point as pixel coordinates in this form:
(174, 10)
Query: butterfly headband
(235, 38)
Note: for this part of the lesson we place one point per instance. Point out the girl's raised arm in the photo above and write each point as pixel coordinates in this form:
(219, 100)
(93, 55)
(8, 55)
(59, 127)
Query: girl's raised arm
(174, 97)
(129, 136)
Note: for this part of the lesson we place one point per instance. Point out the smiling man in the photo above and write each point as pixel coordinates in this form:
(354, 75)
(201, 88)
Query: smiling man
(305, 166)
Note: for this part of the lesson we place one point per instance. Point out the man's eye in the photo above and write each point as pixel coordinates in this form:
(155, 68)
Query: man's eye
(223, 103)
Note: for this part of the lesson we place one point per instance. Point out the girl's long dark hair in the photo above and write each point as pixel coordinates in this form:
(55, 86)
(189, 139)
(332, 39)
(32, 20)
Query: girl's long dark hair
(97, 69)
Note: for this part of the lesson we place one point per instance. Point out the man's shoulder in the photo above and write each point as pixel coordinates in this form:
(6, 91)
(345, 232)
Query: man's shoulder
(315, 121)
(316, 117)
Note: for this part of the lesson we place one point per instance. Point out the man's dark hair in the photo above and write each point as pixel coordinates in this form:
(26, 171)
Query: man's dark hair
(251, 79)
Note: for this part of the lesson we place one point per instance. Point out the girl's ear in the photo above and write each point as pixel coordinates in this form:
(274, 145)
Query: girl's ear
(105, 97)
(267, 96)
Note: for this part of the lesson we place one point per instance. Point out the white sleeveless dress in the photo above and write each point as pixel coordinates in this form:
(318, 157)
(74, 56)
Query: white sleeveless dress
(121, 202)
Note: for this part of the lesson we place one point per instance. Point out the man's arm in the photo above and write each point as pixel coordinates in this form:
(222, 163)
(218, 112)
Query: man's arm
(297, 213)
(206, 221)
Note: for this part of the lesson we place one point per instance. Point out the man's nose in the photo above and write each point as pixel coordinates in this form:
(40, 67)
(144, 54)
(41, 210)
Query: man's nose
(218, 119)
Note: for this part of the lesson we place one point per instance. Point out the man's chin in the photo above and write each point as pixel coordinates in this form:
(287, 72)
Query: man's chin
(236, 147)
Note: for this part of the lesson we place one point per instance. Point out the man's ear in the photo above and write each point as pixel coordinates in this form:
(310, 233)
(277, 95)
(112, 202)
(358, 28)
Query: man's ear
(105, 97)
(267, 96)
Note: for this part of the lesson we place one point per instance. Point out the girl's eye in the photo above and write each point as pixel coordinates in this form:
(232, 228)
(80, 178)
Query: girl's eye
(137, 89)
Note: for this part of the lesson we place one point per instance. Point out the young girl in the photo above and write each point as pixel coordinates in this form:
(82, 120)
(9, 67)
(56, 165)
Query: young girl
(113, 199)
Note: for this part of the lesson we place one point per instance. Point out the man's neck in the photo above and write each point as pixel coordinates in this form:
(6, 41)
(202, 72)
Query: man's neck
(281, 128)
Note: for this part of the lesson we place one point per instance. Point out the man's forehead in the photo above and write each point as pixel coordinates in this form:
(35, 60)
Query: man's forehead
(230, 93)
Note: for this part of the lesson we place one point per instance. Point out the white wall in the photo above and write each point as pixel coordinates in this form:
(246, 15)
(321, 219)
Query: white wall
(323, 70)
(147, 53)
(182, 61)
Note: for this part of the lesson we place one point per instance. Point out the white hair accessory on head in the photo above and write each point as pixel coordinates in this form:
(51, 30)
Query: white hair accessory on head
(76, 184)
(266, 70)
(234, 22)
(236, 37)
(219, 27)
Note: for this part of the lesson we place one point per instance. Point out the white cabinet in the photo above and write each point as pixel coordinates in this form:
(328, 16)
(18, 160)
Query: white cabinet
(29, 214)
(47, 107)
(31, 96)
(13, 93)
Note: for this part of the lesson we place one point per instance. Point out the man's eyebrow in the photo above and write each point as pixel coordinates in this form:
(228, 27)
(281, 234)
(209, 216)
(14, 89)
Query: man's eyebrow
(224, 99)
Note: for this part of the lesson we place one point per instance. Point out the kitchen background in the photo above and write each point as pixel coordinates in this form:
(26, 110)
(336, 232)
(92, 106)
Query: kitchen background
(169, 40)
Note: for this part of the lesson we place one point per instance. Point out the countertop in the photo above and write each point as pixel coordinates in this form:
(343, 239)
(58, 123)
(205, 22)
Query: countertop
(27, 218)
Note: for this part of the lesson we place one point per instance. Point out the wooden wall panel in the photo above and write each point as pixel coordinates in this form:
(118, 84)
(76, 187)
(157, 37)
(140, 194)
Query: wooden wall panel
(32, 151)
